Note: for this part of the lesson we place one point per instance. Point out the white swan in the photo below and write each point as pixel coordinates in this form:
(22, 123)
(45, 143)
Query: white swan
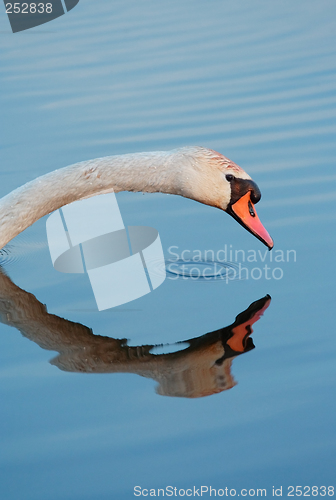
(193, 172)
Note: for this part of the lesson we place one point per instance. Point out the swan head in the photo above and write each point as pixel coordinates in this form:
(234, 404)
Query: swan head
(215, 180)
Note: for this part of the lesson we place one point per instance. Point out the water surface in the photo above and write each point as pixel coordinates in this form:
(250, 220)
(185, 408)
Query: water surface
(255, 81)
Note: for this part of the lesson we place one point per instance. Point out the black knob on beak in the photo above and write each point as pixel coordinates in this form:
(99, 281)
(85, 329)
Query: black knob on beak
(239, 187)
(255, 193)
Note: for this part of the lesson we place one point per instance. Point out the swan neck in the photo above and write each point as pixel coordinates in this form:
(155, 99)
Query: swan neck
(147, 172)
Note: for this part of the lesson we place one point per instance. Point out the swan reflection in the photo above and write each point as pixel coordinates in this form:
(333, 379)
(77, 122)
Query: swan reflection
(196, 367)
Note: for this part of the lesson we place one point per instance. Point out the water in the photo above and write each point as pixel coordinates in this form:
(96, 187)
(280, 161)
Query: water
(255, 81)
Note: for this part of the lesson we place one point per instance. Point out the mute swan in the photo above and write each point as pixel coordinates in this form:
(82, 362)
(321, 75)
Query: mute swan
(193, 172)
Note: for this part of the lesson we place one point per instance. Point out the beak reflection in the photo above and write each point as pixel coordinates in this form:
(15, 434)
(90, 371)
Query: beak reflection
(199, 367)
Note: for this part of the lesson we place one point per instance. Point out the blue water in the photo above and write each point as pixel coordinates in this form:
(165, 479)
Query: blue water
(255, 81)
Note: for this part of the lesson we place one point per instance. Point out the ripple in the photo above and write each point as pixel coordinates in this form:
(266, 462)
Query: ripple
(19, 250)
(203, 270)
(8, 256)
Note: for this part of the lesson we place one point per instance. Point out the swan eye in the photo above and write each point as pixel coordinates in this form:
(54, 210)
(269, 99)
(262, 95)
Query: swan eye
(230, 177)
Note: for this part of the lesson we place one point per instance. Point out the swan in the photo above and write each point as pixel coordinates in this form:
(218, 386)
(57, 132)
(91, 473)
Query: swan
(193, 172)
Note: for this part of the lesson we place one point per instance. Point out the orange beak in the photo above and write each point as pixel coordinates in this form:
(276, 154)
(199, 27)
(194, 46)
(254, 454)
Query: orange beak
(244, 212)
